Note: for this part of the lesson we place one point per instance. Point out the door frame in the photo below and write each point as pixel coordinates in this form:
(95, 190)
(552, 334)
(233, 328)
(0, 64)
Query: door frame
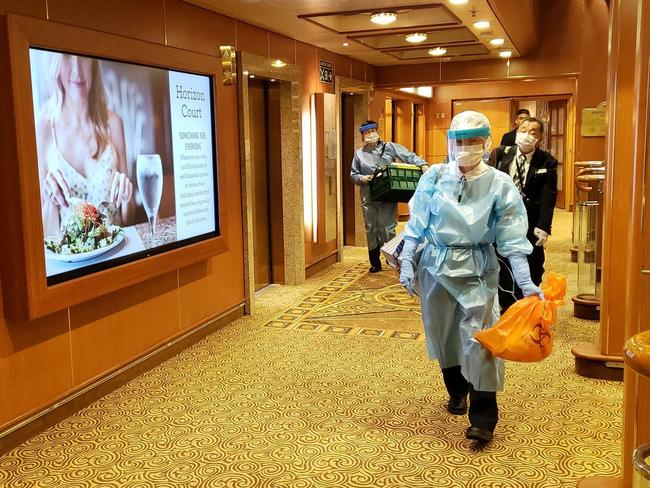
(365, 90)
(292, 223)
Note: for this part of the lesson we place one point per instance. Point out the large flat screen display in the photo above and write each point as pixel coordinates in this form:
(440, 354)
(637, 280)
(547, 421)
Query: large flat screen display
(126, 158)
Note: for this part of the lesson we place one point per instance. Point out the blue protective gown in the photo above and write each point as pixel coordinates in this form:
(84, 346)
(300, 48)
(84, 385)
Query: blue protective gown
(458, 271)
(380, 217)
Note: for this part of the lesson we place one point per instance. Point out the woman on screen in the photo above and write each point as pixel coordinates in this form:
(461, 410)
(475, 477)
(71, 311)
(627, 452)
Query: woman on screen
(81, 148)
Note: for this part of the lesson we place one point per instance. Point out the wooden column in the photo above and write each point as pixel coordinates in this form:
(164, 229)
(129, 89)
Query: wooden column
(626, 254)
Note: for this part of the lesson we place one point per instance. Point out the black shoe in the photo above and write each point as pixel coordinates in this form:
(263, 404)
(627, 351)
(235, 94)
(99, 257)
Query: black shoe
(375, 269)
(479, 434)
(457, 406)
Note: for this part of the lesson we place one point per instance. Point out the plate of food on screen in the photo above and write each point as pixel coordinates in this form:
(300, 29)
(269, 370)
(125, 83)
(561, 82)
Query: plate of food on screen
(85, 235)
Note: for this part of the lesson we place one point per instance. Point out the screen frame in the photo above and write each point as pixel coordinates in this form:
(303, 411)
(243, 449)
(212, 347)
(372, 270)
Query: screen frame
(26, 294)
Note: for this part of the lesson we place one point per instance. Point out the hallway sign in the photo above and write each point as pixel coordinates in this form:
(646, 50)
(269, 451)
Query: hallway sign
(326, 72)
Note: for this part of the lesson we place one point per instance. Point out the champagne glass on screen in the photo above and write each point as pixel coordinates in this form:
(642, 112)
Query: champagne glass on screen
(150, 182)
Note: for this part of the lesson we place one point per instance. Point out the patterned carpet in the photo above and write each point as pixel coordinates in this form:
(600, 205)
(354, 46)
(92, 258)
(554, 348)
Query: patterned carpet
(328, 385)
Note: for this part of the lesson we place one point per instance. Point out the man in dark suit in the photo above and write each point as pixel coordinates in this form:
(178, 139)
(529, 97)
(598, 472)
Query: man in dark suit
(508, 138)
(534, 173)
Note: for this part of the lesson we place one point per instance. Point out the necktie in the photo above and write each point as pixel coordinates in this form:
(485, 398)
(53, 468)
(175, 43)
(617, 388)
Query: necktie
(519, 174)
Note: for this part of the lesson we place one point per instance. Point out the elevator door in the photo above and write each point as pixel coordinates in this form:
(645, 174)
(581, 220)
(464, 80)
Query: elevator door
(264, 146)
(348, 132)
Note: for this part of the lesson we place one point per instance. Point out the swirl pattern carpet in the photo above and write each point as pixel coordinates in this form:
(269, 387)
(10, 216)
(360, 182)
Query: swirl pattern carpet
(329, 385)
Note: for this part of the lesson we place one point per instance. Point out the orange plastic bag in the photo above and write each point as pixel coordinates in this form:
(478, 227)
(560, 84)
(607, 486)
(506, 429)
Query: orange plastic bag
(524, 333)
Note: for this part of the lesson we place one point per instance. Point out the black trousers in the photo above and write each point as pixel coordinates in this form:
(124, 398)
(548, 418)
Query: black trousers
(483, 409)
(506, 282)
(374, 256)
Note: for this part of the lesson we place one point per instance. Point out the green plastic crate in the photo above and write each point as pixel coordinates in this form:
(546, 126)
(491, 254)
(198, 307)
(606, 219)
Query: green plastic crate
(395, 183)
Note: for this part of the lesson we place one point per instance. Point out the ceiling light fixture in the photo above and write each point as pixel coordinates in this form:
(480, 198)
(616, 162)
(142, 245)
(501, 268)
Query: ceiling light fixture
(437, 51)
(278, 63)
(497, 42)
(251, 76)
(383, 18)
(482, 24)
(272, 80)
(346, 44)
(245, 73)
(458, 2)
(505, 54)
(416, 37)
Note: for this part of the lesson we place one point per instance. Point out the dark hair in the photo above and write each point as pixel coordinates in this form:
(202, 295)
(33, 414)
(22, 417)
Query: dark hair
(522, 111)
(535, 119)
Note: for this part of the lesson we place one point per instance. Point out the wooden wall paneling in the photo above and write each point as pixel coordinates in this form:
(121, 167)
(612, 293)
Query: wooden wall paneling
(616, 231)
(143, 20)
(343, 66)
(497, 112)
(481, 69)
(592, 84)
(33, 8)
(420, 132)
(505, 89)
(115, 329)
(307, 59)
(197, 29)
(625, 288)
(521, 19)
(281, 47)
(358, 70)
(403, 131)
(35, 366)
(252, 39)
(371, 73)
(203, 291)
(12, 250)
(560, 48)
(404, 123)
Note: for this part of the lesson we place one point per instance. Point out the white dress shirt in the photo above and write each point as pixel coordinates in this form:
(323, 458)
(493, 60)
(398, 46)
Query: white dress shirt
(513, 164)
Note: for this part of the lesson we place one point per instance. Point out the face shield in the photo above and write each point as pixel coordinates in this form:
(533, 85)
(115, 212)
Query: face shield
(467, 146)
(369, 133)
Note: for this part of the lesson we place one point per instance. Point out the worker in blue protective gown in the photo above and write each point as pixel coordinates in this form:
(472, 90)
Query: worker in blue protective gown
(459, 210)
(380, 217)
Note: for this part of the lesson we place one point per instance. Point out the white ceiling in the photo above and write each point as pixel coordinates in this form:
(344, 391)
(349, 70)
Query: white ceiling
(366, 39)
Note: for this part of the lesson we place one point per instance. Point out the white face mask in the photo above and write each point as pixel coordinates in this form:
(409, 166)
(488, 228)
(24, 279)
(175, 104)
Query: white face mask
(525, 141)
(372, 138)
(469, 155)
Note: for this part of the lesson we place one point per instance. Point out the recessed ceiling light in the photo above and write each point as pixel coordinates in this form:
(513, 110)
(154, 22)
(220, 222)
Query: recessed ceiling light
(346, 44)
(497, 42)
(482, 24)
(437, 51)
(278, 63)
(505, 54)
(458, 2)
(383, 18)
(416, 37)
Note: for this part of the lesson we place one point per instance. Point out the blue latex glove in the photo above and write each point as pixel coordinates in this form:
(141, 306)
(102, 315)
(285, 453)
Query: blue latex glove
(407, 270)
(521, 273)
